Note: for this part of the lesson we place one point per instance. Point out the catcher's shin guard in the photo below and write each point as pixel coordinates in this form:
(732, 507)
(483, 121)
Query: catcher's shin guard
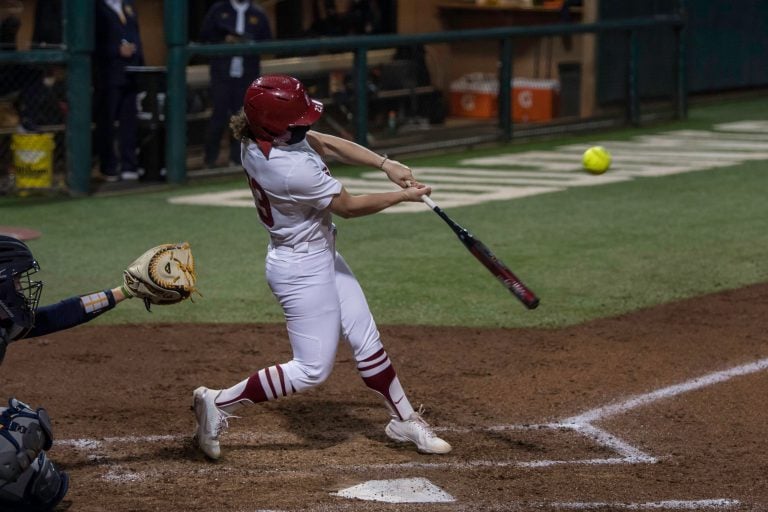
(28, 479)
(24, 433)
(38, 489)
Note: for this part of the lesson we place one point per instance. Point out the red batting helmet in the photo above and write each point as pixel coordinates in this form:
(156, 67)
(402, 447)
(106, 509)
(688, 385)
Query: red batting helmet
(275, 103)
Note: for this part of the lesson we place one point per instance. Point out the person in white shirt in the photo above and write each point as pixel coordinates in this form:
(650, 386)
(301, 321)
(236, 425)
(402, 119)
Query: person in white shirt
(295, 196)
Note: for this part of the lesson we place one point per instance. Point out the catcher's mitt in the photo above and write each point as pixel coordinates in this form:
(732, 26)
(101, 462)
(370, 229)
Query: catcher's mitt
(163, 275)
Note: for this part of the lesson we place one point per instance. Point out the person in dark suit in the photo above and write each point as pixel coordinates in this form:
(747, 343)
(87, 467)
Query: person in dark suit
(117, 45)
(48, 29)
(231, 21)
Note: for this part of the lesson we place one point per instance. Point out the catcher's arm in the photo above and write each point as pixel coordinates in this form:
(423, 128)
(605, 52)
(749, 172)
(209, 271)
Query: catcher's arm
(74, 311)
(70, 312)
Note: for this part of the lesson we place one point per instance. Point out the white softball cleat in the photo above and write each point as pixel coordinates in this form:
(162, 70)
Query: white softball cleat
(211, 421)
(418, 432)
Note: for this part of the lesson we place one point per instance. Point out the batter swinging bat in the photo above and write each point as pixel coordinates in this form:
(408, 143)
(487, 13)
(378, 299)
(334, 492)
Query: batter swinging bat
(487, 258)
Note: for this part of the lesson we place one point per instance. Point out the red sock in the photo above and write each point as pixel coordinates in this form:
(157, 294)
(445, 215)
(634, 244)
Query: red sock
(379, 375)
(266, 384)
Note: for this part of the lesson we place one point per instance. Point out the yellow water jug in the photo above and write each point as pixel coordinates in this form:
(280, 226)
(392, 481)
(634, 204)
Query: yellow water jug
(33, 160)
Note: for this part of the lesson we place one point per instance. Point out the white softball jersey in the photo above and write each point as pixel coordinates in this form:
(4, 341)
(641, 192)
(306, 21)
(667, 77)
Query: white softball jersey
(292, 191)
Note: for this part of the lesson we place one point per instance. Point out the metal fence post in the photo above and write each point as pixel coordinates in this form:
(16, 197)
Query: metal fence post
(176, 38)
(78, 33)
(505, 89)
(632, 90)
(361, 94)
(682, 64)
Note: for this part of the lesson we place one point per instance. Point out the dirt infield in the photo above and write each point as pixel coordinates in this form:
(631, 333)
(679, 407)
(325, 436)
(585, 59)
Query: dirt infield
(662, 408)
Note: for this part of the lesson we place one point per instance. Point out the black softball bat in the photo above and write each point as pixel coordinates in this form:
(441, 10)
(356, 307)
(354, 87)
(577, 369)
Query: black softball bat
(488, 259)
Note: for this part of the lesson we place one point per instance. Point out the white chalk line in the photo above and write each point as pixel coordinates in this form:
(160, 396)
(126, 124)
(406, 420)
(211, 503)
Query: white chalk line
(709, 504)
(653, 505)
(668, 392)
(581, 424)
(473, 464)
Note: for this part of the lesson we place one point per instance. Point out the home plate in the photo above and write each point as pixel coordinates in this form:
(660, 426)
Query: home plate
(400, 490)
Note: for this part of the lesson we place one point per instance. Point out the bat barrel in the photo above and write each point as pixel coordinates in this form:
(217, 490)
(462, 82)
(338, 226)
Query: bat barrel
(532, 304)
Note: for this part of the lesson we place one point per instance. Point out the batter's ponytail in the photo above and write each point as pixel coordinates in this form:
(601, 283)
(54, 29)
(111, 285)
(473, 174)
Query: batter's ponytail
(238, 124)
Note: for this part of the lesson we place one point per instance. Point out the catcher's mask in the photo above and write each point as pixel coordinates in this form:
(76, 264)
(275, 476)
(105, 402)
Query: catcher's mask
(19, 294)
(274, 104)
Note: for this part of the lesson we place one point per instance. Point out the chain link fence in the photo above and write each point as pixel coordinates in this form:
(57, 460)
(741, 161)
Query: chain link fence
(33, 103)
(33, 109)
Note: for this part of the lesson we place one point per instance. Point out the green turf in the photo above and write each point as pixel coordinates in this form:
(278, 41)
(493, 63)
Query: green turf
(588, 252)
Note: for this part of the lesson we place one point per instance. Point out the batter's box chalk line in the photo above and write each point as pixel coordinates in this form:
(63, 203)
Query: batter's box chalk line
(712, 504)
(582, 424)
(709, 504)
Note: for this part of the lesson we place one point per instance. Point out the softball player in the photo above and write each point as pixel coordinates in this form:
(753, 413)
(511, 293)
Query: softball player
(29, 481)
(322, 300)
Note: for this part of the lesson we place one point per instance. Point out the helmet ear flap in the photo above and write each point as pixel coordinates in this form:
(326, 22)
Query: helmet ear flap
(262, 133)
(297, 133)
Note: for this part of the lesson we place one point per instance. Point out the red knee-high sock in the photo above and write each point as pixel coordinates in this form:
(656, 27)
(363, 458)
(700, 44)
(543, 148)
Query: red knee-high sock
(266, 384)
(379, 375)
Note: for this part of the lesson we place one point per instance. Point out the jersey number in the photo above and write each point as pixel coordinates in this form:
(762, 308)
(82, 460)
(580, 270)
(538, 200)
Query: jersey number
(262, 202)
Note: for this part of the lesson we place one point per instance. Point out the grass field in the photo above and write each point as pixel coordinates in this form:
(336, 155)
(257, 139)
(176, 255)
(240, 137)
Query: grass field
(632, 387)
(588, 251)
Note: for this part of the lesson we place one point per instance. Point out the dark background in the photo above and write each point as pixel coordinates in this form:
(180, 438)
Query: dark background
(725, 47)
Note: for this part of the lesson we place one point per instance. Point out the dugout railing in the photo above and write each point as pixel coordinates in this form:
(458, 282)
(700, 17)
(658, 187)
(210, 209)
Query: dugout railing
(180, 52)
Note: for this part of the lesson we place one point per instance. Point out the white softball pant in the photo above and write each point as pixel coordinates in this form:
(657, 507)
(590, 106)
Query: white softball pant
(322, 301)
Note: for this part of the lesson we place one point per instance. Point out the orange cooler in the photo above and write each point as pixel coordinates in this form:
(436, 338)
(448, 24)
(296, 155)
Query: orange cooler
(476, 96)
(534, 100)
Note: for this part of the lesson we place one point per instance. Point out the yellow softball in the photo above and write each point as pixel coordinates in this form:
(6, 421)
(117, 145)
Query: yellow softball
(596, 160)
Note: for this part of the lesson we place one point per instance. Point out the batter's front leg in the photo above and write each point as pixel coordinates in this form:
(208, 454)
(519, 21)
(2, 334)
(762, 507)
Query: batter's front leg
(359, 329)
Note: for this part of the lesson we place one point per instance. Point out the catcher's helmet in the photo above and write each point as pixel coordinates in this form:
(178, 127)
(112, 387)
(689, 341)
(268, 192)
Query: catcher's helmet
(19, 295)
(275, 103)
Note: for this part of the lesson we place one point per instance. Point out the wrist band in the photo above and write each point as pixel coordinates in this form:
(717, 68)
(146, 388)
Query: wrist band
(128, 295)
(381, 165)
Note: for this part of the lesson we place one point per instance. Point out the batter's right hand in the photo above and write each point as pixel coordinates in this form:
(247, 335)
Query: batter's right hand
(416, 191)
